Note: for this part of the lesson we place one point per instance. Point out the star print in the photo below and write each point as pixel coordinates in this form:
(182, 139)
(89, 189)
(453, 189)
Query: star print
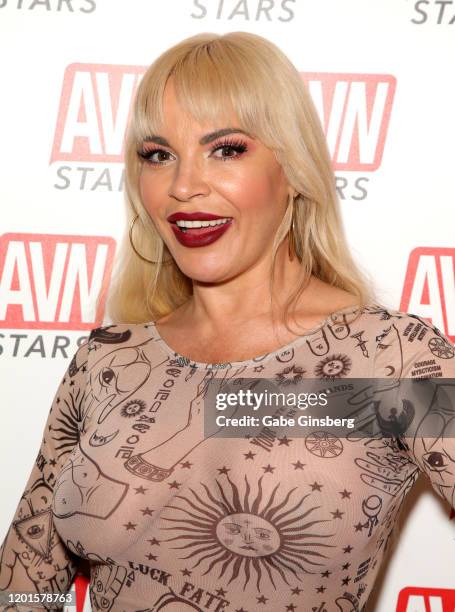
(221, 592)
(50, 427)
(296, 591)
(140, 490)
(337, 514)
(321, 589)
(315, 486)
(57, 401)
(345, 493)
(284, 440)
(130, 526)
(249, 455)
(346, 581)
(326, 574)
(72, 383)
(345, 566)
(186, 572)
(347, 549)
(84, 369)
(52, 462)
(261, 599)
(153, 541)
(174, 484)
(224, 470)
(268, 468)
(358, 527)
(258, 368)
(298, 466)
(146, 511)
(186, 464)
(151, 557)
(290, 607)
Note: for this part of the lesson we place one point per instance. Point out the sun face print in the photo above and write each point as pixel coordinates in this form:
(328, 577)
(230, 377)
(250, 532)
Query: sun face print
(248, 535)
(334, 366)
(252, 535)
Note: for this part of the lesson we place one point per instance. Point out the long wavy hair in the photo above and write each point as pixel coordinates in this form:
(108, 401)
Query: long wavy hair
(249, 74)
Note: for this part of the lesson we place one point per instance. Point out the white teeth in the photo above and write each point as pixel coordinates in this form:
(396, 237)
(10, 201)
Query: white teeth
(197, 224)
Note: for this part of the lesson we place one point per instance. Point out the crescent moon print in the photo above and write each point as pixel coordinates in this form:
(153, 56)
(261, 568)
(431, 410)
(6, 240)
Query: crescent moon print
(249, 537)
(286, 356)
(99, 440)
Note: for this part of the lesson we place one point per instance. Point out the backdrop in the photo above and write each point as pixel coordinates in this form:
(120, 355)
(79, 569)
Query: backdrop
(379, 73)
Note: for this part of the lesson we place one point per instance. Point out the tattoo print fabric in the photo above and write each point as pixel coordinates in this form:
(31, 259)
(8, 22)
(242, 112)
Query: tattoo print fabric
(169, 521)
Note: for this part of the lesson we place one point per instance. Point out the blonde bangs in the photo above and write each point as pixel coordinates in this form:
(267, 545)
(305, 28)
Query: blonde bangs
(214, 80)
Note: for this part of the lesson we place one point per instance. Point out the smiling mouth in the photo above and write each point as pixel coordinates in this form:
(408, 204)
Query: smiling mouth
(200, 228)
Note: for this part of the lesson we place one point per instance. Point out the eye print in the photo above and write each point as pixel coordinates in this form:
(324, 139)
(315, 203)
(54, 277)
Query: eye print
(106, 376)
(436, 462)
(35, 531)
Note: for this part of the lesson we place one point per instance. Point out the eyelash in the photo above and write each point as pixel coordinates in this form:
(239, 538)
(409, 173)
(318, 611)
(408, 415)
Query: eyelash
(239, 146)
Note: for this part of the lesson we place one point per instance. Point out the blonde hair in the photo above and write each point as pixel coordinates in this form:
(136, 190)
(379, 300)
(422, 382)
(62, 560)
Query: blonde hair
(249, 74)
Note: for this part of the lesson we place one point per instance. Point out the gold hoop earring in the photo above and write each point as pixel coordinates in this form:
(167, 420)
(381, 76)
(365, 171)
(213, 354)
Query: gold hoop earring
(291, 236)
(137, 252)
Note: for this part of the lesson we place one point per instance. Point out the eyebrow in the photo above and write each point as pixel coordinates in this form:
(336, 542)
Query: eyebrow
(204, 140)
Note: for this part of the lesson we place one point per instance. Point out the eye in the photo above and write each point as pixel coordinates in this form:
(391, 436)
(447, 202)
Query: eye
(262, 534)
(435, 461)
(231, 149)
(106, 376)
(155, 157)
(231, 528)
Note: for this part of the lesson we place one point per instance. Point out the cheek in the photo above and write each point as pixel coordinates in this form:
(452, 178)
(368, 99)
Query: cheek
(149, 191)
(254, 190)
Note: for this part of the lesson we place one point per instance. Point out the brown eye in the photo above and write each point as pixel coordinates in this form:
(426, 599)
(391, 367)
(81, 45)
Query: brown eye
(435, 461)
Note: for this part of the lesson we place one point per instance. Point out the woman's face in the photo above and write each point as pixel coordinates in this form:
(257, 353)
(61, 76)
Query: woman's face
(233, 176)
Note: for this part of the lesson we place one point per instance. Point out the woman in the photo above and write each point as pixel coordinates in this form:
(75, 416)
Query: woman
(233, 229)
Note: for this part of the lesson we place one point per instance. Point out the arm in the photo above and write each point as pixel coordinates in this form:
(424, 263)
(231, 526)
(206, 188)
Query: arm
(426, 367)
(33, 558)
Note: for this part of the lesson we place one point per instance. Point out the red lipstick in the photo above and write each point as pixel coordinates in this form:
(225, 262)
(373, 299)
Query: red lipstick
(200, 236)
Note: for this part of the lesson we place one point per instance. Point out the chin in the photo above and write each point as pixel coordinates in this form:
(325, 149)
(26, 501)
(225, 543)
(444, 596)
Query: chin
(205, 274)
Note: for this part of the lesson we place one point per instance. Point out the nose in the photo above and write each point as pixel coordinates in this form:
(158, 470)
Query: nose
(247, 536)
(188, 181)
